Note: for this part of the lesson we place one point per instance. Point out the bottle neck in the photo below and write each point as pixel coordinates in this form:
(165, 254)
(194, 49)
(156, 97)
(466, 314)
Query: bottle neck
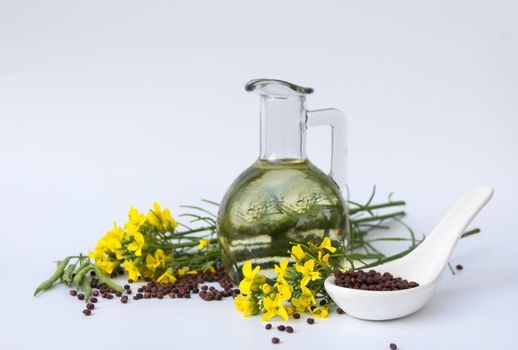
(283, 128)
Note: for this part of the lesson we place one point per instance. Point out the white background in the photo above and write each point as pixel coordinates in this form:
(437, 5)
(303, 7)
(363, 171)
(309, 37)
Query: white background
(108, 104)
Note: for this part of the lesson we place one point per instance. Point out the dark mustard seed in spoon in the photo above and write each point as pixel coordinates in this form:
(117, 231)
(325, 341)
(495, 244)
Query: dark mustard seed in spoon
(372, 281)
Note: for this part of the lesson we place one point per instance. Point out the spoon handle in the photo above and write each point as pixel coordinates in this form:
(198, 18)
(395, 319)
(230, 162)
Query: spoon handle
(432, 255)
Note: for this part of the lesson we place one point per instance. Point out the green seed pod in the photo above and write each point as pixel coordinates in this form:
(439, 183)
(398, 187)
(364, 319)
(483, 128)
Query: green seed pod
(83, 269)
(106, 280)
(60, 277)
(85, 286)
(57, 275)
(66, 278)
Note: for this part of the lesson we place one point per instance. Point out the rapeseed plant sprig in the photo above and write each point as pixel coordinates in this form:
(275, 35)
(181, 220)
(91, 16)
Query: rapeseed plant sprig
(156, 246)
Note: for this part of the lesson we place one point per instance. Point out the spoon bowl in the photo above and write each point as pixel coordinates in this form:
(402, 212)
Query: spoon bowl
(379, 305)
(423, 265)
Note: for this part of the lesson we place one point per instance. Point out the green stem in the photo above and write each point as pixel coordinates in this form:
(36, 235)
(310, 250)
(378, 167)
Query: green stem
(377, 218)
(389, 258)
(201, 229)
(470, 233)
(376, 206)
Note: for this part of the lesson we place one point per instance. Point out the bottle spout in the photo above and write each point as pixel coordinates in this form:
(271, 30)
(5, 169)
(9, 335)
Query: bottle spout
(283, 118)
(276, 88)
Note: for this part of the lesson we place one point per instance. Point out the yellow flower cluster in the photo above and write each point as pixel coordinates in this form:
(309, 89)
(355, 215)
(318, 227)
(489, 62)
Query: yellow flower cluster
(134, 246)
(161, 219)
(295, 288)
(108, 251)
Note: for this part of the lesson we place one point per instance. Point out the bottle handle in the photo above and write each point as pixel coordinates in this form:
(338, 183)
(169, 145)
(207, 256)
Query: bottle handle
(337, 121)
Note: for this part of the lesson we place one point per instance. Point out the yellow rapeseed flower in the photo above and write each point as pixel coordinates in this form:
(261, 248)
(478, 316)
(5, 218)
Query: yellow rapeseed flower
(103, 261)
(169, 222)
(297, 252)
(274, 307)
(300, 304)
(289, 310)
(209, 268)
(266, 288)
(203, 243)
(307, 272)
(133, 271)
(167, 277)
(284, 290)
(307, 293)
(135, 220)
(159, 259)
(137, 244)
(247, 284)
(320, 312)
(326, 244)
(281, 270)
(304, 301)
(111, 242)
(323, 258)
(185, 271)
(161, 219)
(246, 305)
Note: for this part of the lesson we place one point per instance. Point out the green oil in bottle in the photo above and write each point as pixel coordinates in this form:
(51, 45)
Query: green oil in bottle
(273, 203)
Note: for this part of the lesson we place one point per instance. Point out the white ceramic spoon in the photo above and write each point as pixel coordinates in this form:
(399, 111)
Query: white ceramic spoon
(423, 265)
